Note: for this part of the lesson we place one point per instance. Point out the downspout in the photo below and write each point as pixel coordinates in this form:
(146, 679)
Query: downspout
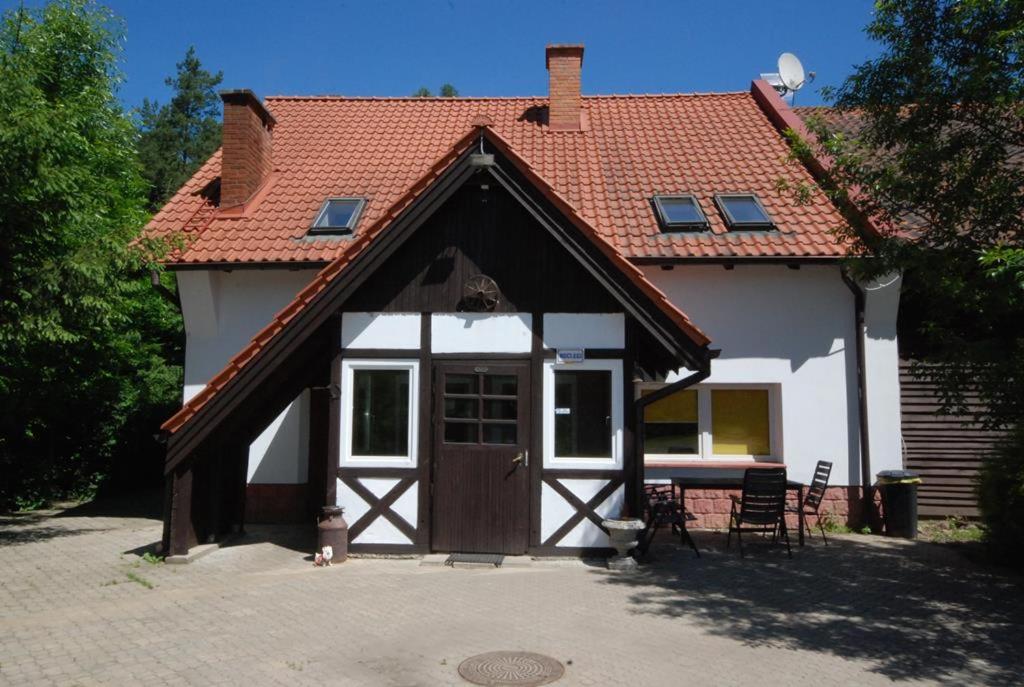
(167, 294)
(862, 396)
(641, 404)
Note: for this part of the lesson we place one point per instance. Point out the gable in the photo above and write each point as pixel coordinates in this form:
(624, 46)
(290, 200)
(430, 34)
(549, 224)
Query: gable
(482, 229)
(246, 383)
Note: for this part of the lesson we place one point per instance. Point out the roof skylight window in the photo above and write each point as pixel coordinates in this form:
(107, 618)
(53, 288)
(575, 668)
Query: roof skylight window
(743, 211)
(338, 216)
(680, 212)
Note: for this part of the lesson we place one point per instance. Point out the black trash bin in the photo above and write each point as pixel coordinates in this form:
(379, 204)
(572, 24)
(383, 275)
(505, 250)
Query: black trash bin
(899, 502)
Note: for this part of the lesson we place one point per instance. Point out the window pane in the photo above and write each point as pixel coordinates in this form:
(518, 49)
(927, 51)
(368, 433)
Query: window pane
(500, 410)
(745, 209)
(461, 407)
(499, 434)
(681, 211)
(500, 385)
(671, 437)
(739, 422)
(460, 384)
(380, 413)
(460, 432)
(583, 409)
(339, 213)
(670, 425)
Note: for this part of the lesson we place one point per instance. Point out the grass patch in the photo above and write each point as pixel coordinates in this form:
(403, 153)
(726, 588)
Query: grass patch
(952, 530)
(138, 579)
(834, 526)
(152, 558)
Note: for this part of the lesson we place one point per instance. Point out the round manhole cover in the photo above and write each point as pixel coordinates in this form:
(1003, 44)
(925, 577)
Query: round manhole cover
(519, 668)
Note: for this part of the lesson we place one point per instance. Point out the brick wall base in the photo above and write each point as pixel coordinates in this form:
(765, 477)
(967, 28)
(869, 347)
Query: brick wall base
(710, 508)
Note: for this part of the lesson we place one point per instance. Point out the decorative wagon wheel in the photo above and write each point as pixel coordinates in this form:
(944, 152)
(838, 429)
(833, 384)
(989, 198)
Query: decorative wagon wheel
(480, 294)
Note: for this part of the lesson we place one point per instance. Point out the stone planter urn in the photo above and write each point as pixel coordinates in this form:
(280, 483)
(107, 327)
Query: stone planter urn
(623, 534)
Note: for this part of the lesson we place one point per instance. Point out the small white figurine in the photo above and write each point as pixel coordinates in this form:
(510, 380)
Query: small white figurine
(323, 558)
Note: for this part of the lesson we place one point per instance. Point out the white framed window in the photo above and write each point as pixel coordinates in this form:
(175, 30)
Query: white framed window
(338, 216)
(719, 422)
(379, 406)
(583, 414)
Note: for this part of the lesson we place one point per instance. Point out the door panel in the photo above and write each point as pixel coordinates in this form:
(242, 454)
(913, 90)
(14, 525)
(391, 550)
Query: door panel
(481, 483)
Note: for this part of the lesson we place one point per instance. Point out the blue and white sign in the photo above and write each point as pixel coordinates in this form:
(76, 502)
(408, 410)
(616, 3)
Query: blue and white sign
(569, 355)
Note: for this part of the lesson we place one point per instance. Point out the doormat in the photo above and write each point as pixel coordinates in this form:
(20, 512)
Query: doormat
(494, 559)
(520, 668)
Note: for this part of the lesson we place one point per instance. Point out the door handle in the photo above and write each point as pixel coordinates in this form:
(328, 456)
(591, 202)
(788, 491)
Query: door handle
(522, 458)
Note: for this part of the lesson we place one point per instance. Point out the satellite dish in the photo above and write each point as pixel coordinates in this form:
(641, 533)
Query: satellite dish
(791, 71)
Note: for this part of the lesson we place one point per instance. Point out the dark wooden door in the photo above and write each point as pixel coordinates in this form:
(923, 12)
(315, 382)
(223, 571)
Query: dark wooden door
(481, 483)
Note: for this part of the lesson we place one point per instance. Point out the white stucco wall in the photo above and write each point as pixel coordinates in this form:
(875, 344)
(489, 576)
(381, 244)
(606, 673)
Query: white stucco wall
(795, 328)
(222, 311)
(481, 333)
(882, 372)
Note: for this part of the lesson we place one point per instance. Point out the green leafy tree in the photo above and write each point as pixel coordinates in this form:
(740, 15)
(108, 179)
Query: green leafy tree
(178, 137)
(938, 162)
(84, 339)
(422, 92)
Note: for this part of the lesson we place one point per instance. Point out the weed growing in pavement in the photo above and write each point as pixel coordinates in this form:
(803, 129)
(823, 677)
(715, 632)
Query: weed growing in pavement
(139, 579)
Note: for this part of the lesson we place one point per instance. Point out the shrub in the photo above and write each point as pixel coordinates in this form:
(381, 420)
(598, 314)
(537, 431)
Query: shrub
(1001, 500)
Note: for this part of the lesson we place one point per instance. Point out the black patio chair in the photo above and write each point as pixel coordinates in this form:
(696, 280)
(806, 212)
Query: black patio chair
(815, 494)
(761, 508)
(663, 509)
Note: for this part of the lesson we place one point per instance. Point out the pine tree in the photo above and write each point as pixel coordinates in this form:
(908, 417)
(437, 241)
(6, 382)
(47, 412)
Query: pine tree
(178, 137)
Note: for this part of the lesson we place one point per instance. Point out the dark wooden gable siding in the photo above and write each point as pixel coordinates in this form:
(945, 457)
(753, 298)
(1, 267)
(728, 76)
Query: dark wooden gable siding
(946, 450)
(482, 231)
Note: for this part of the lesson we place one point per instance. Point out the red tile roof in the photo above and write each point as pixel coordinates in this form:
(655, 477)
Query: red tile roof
(382, 220)
(631, 148)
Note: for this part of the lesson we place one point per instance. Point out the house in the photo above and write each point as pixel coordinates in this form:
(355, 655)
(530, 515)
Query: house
(482, 324)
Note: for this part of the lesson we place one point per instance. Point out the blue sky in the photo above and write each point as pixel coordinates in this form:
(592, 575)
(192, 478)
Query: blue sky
(484, 47)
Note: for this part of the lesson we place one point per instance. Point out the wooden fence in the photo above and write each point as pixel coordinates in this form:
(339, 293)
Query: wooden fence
(946, 450)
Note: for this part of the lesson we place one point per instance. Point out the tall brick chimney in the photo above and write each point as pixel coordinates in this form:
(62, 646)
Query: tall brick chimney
(564, 63)
(246, 148)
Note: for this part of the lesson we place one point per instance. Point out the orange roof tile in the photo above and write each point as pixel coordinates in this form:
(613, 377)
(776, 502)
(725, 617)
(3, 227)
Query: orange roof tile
(632, 148)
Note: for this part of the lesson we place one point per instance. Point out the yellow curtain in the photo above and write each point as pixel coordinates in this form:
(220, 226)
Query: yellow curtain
(739, 422)
(679, 407)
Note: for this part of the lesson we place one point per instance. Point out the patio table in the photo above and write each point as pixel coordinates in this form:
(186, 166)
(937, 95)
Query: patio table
(725, 483)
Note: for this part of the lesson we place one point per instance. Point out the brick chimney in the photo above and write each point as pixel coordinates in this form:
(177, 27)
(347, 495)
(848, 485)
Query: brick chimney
(564, 63)
(246, 147)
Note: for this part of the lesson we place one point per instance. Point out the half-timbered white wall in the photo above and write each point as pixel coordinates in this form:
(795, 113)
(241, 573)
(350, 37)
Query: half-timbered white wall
(555, 511)
(380, 530)
(480, 333)
(795, 328)
(476, 333)
(222, 311)
(380, 330)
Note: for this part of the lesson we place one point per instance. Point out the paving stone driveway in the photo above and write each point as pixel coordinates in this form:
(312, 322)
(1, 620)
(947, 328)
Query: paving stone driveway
(77, 607)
